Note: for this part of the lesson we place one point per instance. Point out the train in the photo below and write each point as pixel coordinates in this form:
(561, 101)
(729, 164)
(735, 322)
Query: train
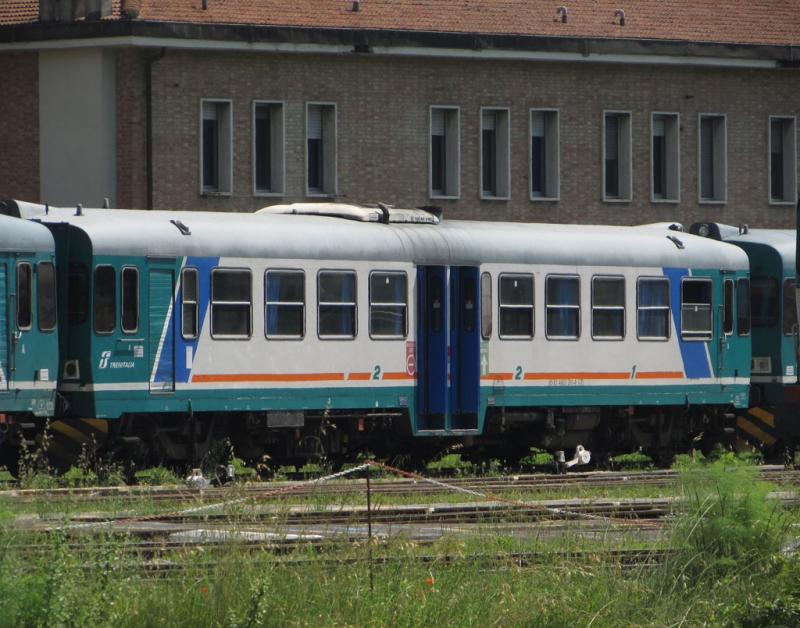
(339, 330)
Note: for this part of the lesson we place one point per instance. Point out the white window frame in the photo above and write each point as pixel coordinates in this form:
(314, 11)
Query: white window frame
(277, 149)
(248, 304)
(787, 196)
(707, 333)
(375, 305)
(452, 169)
(556, 305)
(624, 157)
(224, 148)
(672, 157)
(720, 158)
(329, 132)
(552, 158)
(502, 153)
(614, 308)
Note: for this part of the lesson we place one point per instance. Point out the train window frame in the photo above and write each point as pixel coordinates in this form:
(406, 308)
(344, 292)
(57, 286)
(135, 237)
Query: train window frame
(283, 304)
(789, 304)
(728, 298)
(104, 310)
(375, 306)
(743, 298)
(46, 310)
(770, 318)
(691, 310)
(125, 299)
(554, 307)
(467, 305)
(189, 304)
(486, 306)
(240, 304)
(653, 308)
(608, 308)
(508, 310)
(78, 292)
(24, 296)
(330, 306)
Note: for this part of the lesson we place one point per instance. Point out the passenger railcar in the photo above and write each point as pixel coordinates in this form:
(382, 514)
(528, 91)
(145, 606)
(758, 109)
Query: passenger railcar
(336, 329)
(28, 323)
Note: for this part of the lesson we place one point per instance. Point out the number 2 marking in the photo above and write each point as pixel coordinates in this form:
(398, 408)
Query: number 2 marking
(377, 373)
(518, 374)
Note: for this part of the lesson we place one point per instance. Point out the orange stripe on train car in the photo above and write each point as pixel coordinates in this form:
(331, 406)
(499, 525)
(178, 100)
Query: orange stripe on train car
(540, 376)
(659, 375)
(359, 376)
(398, 375)
(268, 377)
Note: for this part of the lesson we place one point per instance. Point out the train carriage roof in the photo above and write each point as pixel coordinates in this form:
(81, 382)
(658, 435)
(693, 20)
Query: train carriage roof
(451, 242)
(21, 235)
(782, 241)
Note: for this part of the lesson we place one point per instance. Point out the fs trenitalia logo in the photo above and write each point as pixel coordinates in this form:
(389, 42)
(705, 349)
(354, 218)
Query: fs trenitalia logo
(105, 362)
(104, 358)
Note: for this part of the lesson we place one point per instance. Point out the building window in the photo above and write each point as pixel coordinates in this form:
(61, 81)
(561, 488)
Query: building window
(544, 155)
(665, 157)
(782, 160)
(789, 306)
(516, 306)
(562, 294)
(743, 306)
(231, 303)
(24, 295)
(130, 299)
(495, 172)
(653, 308)
(46, 296)
(189, 300)
(285, 304)
(387, 305)
(696, 309)
(617, 151)
(215, 147)
(763, 301)
(486, 306)
(445, 152)
(713, 167)
(105, 302)
(336, 304)
(320, 149)
(608, 308)
(268, 142)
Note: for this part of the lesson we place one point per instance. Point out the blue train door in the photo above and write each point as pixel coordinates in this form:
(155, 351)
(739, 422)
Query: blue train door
(448, 348)
(161, 338)
(3, 330)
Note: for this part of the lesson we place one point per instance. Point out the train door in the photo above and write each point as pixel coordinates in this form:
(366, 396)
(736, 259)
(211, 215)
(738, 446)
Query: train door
(727, 315)
(161, 338)
(3, 330)
(448, 348)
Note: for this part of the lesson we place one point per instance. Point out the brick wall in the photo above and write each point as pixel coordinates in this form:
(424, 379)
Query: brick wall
(19, 126)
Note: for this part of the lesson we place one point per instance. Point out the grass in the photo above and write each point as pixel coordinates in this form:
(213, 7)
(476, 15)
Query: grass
(728, 570)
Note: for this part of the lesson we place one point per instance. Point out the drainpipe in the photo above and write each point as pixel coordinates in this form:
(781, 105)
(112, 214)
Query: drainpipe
(148, 82)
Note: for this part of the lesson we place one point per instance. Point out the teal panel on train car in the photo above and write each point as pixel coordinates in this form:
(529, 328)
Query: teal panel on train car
(161, 341)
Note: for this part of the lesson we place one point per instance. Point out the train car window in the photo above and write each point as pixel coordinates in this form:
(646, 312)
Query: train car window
(608, 308)
(516, 307)
(336, 304)
(46, 296)
(231, 303)
(78, 294)
(727, 307)
(562, 296)
(285, 304)
(763, 301)
(743, 306)
(696, 309)
(652, 311)
(189, 310)
(436, 315)
(105, 303)
(24, 295)
(387, 305)
(486, 306)
(468, 314)
(130, 300)
(789, 306)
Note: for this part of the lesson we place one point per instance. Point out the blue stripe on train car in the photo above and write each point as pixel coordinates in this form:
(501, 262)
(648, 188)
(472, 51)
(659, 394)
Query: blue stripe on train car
(184, 358)
(696, 361)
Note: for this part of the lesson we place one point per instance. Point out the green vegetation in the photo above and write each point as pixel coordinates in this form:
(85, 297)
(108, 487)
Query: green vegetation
(727, 569)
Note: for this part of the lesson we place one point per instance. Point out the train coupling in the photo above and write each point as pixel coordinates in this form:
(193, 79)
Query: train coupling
(582, 456)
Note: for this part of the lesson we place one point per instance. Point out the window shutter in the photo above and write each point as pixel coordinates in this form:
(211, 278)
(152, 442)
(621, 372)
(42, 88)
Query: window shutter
(537, 124)
(612, 139)
(437, 122)
(489, 121)
(776, 136)
(315, 122)
(659, 126)
(209, 110)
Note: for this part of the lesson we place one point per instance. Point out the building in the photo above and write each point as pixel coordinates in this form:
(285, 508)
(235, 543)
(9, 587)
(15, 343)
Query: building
(597, 111)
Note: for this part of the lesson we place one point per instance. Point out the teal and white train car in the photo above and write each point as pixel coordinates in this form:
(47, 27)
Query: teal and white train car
(28, 327)
(333, 328)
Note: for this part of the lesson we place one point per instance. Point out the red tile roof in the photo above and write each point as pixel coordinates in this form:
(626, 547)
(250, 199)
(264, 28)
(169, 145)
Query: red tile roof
(774, 22)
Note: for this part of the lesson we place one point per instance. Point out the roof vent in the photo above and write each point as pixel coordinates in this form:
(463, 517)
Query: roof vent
(744, 229)
(619, 13)
(676, 241)
(361, 213)
(181, 227)
(79, 210)
(563, 12)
